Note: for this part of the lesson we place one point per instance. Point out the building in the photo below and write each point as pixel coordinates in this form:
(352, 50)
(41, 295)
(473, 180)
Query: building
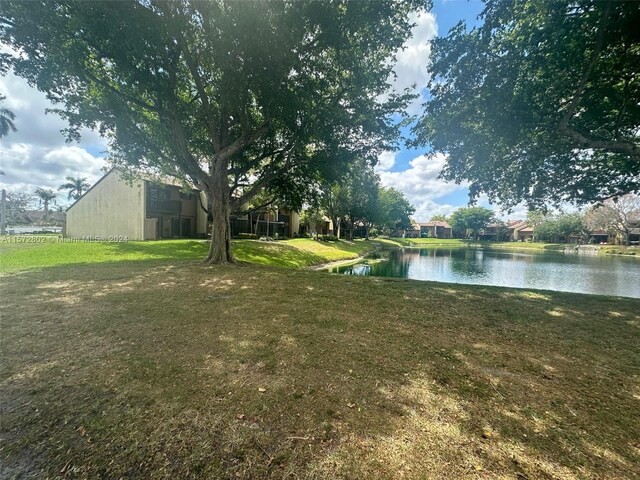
(435, 229)
(272, 222)
(519, 231)
(147, 209)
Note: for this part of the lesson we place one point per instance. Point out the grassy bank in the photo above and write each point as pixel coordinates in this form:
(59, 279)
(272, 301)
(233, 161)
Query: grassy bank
(530, 246)
(173, 369)
(52, 251)
(457, 242)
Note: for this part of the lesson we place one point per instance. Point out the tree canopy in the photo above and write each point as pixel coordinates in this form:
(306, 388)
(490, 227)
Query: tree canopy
(618, 217)
(394, 210)
(232, 97)
(539, 103)
(559, 227)
(471, 218)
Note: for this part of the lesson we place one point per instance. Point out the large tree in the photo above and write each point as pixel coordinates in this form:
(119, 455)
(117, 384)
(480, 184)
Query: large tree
(357, 197)
(232, 97)
(539, 103)
(471, 218)
(558, 227)
(18, 202)
(394, 210)
(618, 216)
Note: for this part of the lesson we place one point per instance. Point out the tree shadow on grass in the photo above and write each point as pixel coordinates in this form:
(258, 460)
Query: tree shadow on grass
(187, 370)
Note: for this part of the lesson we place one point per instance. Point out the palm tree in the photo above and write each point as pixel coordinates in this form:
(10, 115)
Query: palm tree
(76, 187)
(6, 120)
(45, 197)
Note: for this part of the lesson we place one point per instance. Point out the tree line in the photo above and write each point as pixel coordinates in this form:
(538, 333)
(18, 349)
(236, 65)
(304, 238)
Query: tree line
(359, 201)
(615, 217)
(18, 202)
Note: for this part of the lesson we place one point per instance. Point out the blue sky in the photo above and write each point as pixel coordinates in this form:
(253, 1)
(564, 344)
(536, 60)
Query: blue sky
(37, 155)
(410, 170)
(447, 14)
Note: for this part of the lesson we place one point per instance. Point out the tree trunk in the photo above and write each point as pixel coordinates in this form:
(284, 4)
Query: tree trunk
(336, 226)
(220, 247)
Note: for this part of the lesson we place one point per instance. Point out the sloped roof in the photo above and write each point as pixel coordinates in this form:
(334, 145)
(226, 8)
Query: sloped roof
(435, 223)
(516, 224)
(139, 175)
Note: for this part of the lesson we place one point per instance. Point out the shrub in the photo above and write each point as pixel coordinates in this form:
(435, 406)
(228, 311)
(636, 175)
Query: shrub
(327, 238)
(248, 236)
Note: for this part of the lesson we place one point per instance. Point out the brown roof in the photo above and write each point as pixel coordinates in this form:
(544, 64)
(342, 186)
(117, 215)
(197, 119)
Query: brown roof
(516, 224)
(435, 223)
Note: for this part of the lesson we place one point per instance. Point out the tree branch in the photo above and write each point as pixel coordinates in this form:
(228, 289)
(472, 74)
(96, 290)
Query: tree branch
(204, 98)
(615, 146)
(242, 142)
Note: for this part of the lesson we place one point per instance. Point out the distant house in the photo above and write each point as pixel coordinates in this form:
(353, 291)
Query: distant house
(519, 231)
(38, 217)
(146, 210)
(495, 232)
(435, 229)
(413, 232)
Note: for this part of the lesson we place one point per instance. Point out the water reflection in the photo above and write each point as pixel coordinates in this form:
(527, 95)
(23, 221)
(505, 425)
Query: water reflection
(549, 270)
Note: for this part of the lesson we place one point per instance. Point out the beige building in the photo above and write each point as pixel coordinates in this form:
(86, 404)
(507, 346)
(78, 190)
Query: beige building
(519, 230)
(145, 210)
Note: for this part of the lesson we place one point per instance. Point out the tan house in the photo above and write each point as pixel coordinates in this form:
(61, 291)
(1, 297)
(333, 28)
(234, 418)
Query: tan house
(519, 231)
(435, 229)
(272, 222)
(413, 232)
(145, 210)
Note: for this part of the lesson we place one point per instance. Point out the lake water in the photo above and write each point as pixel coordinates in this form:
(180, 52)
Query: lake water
(596, 274)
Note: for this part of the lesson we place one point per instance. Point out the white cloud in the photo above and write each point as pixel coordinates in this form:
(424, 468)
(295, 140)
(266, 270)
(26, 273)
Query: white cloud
(37, 155)
(422, 187)
(413, 57)
(386, 160)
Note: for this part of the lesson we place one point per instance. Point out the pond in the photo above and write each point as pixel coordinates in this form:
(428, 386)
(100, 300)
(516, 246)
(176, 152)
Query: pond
(595, 274)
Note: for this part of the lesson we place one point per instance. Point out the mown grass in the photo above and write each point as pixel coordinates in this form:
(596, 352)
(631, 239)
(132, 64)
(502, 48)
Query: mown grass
(52, 251)
(458, 242)
(173, 369)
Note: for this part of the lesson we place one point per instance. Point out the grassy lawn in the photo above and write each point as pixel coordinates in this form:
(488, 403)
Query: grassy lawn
(457, 242)
(168, 368)
(294, 253)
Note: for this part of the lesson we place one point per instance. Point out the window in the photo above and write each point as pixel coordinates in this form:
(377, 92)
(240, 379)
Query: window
(156, 197)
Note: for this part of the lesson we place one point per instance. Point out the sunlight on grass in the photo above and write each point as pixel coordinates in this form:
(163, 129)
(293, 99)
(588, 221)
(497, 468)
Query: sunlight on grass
(171, 368)
(297, 253)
